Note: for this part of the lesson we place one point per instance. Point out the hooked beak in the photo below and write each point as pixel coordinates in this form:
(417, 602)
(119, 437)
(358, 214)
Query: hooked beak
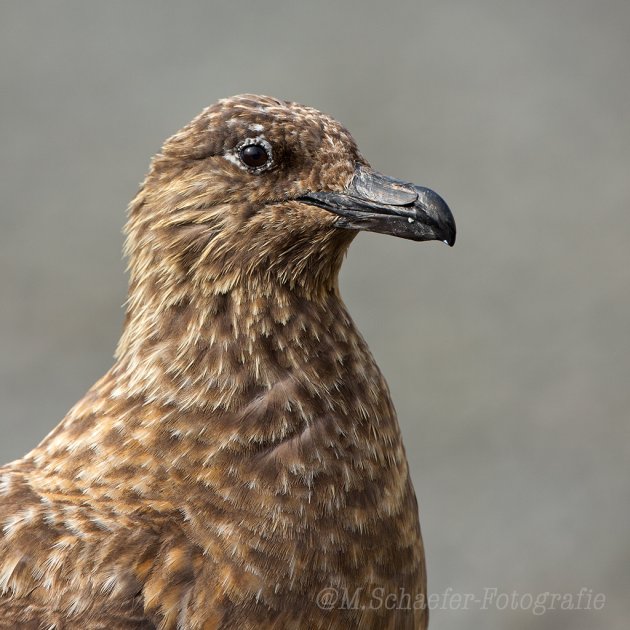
(378, 203)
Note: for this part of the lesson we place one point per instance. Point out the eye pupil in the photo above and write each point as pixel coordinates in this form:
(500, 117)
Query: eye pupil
(254, 155)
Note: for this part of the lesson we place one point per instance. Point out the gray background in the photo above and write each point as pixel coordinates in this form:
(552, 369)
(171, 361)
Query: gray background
(508, 356)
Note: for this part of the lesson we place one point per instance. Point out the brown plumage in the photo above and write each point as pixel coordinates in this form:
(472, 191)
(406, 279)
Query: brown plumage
(243, 453)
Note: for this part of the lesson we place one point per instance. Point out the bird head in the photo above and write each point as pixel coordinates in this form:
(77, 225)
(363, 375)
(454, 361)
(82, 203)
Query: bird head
(255, 188)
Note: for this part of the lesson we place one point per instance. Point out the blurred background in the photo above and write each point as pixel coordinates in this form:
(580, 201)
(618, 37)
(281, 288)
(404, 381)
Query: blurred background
(508, 356)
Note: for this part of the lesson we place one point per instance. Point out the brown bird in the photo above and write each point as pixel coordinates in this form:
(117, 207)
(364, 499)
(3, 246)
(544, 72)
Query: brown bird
(240, 466)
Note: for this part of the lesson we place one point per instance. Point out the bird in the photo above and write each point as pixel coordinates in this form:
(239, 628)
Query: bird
(241, 464)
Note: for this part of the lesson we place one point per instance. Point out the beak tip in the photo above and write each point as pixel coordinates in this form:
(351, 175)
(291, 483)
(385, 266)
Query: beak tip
(450, 237)
(438, 214)
(445, 231)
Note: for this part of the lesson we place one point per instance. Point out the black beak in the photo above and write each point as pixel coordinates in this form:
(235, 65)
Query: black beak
(378, 203)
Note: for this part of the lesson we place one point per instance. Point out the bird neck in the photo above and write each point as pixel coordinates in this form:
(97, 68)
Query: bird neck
(216, 349)
(271, 375)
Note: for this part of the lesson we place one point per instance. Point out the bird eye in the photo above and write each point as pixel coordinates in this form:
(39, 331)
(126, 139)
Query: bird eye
(255, 154)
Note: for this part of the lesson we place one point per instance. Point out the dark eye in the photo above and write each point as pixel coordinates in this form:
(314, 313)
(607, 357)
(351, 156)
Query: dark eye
(254, 155)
